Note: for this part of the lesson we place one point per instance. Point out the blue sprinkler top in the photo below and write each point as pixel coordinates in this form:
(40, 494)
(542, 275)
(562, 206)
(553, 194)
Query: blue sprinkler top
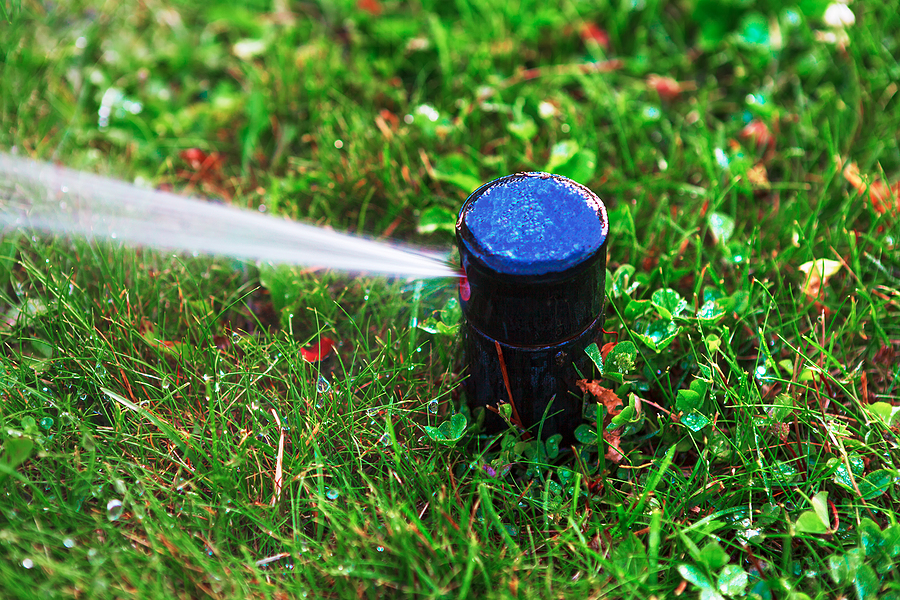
(533, 224)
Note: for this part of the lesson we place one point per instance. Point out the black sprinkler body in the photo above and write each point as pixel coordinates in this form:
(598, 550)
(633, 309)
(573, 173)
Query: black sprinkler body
(533, 251)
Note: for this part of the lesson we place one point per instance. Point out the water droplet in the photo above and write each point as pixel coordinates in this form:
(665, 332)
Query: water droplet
(709, 311)
(380, 548)
(206, 377)
(235, 337)
(94, 557)
(433, 406)
(762, 373)
(428, 111)
(69, 543)
(332, 494)
(28, 563)
(651, 113)
(100, 371)
(114, 510)
(322, 385)
(371, 412)
(721, 158)
(385, 440)
(46, 423)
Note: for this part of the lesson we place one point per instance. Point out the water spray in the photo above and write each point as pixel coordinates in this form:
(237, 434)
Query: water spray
(53, 199)
(532, 248)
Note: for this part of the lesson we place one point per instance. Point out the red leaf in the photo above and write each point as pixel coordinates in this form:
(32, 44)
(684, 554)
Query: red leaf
(607, 348)
(590, 32)
(883, 198)
(373, 7)
(668, 89)
(614, 451)
(194, 157)
(318, 351)
(757, 133)
(612, 403)
(387, 122)
(389, 117)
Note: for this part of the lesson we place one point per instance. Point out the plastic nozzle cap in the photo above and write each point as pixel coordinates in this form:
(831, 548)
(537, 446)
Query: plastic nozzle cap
(532, 224)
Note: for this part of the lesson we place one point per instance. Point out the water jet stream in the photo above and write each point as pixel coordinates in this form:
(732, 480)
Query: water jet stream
(45, 197)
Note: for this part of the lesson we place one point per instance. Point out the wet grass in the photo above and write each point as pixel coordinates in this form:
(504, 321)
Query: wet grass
(175, 385)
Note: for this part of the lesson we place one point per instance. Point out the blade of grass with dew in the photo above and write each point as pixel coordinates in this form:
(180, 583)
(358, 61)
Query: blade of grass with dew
(167, 429)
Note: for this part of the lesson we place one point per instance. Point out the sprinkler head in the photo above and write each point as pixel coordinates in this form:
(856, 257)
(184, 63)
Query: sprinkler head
(533, 253)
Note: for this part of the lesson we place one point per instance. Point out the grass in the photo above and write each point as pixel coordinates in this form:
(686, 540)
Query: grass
(761, 459)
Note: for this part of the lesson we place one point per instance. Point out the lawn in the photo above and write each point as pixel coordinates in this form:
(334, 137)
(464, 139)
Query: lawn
(170, 429)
